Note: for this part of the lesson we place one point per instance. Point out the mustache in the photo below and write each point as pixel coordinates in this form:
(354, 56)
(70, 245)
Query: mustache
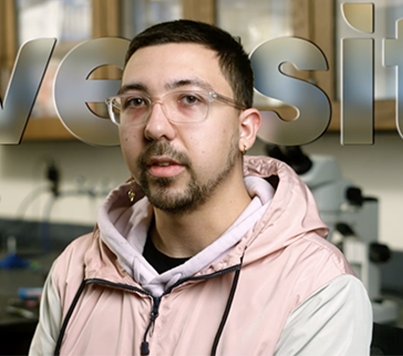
(162, 148)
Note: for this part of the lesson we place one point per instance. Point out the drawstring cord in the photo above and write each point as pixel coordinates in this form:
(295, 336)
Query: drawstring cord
(68, 316)
(227, 310)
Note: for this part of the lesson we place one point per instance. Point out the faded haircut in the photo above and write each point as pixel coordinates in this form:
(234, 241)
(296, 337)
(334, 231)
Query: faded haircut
(233, 60)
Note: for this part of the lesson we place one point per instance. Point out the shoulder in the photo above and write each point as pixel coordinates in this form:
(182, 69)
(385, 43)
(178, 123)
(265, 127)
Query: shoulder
(311, 263)
(340, 309)
(325, 253)
(322, 262)
(68, 269)
(310, 257)
(74, 252)
(345, 292)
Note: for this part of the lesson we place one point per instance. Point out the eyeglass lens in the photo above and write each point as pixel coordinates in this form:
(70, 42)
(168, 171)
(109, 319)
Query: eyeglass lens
(178, 106)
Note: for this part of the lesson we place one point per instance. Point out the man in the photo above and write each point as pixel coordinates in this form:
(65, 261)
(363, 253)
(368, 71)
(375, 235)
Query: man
(204, 251)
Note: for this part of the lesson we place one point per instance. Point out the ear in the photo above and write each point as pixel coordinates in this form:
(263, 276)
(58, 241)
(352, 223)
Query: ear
(249, 123)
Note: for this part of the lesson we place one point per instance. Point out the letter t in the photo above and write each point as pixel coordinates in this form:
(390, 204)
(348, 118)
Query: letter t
(393, 56)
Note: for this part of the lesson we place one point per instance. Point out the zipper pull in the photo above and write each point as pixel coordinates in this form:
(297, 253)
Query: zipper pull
(145, 346)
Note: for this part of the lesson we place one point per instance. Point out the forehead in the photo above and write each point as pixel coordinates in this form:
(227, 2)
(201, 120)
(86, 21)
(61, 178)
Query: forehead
(161, 67)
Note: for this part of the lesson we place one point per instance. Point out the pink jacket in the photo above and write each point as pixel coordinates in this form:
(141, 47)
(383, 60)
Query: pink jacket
(271, 285)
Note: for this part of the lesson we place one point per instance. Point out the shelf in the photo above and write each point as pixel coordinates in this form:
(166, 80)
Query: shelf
(49, 129)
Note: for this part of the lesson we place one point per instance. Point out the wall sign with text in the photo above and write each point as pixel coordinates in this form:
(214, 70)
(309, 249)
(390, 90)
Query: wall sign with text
(73, 90)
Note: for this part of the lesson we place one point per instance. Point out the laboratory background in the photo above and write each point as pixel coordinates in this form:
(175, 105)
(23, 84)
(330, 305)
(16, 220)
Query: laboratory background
(52, 183)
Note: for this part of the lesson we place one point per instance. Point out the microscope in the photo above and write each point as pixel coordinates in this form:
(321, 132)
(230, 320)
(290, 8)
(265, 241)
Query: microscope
(352, 219)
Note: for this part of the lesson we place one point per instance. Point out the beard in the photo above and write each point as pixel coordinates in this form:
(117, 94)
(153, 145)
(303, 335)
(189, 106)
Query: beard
(194, 194)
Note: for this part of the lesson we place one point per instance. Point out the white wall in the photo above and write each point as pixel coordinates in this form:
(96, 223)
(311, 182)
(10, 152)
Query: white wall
(23, 171)
(377, 169)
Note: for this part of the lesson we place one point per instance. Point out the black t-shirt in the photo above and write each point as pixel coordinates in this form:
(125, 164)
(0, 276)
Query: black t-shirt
(158, 260)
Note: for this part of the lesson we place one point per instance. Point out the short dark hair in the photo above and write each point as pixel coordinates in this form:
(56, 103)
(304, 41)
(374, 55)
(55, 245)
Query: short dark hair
(233, 60)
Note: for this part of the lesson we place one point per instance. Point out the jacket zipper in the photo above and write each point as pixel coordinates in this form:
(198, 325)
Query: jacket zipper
(144, 347)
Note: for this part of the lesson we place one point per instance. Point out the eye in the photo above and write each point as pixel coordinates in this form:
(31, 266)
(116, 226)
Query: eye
(134, 102)
(190, 99)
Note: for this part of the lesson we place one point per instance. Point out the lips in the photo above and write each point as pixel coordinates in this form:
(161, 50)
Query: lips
(164, 167)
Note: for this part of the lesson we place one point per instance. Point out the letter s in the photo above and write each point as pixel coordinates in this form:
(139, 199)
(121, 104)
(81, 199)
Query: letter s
(311, 102)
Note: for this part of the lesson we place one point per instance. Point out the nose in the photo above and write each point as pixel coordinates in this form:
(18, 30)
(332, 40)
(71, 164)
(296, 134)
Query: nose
(158, 126)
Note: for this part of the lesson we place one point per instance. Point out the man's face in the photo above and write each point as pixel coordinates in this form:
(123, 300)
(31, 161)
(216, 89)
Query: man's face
(180, 166)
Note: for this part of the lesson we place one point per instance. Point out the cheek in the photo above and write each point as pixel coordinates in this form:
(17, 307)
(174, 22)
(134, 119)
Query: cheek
(130, 137)
(130, 145)
(203, 145)
(210, 149)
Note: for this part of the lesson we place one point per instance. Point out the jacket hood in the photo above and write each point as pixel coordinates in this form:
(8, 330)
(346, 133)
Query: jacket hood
(292, 213)
(284, 209)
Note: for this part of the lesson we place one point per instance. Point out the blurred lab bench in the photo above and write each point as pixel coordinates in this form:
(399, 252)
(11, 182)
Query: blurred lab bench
(37, 244)
(18, 322)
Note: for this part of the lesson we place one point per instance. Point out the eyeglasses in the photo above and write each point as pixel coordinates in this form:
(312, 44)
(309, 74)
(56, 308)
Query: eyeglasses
(184, 106)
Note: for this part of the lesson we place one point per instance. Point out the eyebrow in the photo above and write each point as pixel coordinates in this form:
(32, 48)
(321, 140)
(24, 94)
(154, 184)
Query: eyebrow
(132, 86)
(169, 86)
(189, 82)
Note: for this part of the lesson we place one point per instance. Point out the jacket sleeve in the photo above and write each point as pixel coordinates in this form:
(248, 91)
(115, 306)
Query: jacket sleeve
(335, 320)
(47, 330)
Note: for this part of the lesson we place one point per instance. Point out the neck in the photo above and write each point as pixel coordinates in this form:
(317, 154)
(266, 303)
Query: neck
(186, 235)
